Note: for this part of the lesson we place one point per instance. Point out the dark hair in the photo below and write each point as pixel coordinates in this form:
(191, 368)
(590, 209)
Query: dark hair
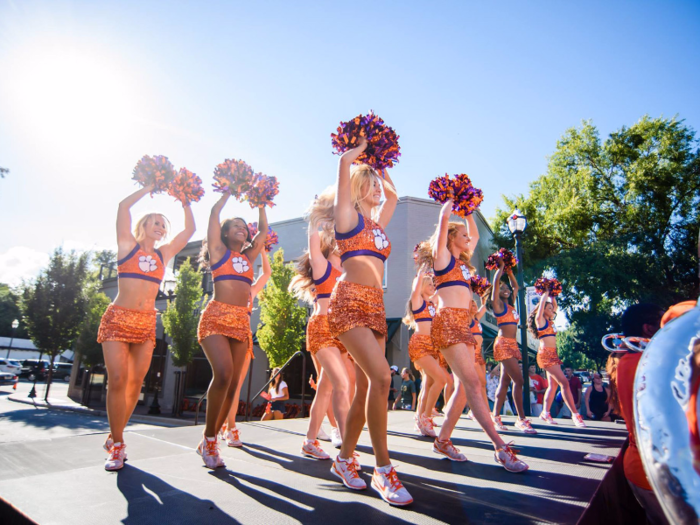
(532, 324)
(637, 315)
(225, 225)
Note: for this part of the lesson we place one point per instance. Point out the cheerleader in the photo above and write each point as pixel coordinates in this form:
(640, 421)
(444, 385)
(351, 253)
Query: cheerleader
(419, 316)
(477, 331)
(356, 316)
(317, 272)
(127, 331)
(224, 327)
(541, 325)
(229, 432)
(449, 250)
(506, 351)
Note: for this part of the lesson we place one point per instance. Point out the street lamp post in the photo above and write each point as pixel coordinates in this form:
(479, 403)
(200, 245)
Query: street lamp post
(517, 222)
(14, 325)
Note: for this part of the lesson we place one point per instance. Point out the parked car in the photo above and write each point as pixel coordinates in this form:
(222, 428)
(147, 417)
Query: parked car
(8, 379)
(15, 362)
(62, 371)
(34, 369)
(583, 376)
(7, 365)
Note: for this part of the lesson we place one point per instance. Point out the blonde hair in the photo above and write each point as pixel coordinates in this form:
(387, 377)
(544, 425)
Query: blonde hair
(140, 227)
(360, 176)
(424, 251)
(321, 210)
(302, 284)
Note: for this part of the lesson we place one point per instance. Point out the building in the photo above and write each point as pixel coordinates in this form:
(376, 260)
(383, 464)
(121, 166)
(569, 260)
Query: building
(414, 221)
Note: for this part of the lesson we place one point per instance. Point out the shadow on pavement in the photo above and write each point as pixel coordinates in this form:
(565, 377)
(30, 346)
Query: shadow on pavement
(45, 419)
(152, 500)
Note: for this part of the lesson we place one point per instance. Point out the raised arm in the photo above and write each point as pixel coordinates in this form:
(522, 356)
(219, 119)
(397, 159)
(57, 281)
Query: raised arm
(513, 281)
(555, 306)
(319, 264)
(417, 290)
(259, 240)
(214, 228)
(495, 288)
(386, 212)
(181, 239)
(125, 239)
(481, 311)
(541, 307)
(262, 279)
(345, 215)
(473, 233)
(441, 256)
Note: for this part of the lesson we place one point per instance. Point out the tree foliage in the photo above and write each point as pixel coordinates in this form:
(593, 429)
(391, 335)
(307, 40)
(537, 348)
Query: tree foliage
(616, 220)
(86, 346)
(9, 311)
(104, 263)
(181, 318)
(282, 325)
(54, 304)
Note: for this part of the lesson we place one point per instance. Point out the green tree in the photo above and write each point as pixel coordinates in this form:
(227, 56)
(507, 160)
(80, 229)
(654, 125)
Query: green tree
(9, 311)
(616, 220)
(181, 318)
(87, 349)
(282, 321)
(54, 304)
(572, 350)
(104, 263)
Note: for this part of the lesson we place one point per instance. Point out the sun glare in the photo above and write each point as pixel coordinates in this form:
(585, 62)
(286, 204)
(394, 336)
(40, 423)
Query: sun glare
(70, 99)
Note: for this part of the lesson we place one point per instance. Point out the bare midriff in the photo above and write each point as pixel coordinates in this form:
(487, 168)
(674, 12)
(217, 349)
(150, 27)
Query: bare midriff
(136, 294)
(365, 270)
(321, 306)
(508, 331)
(236, 293)
(454, 297)
(548, 340)
(479, 341)
(423, 328)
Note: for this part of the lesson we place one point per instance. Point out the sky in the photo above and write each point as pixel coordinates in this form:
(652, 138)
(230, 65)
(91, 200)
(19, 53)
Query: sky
(483, 88)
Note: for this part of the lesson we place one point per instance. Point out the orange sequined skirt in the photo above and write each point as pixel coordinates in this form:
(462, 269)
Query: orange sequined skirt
(352, 305)
(547, 356)
(443, 361)
(451, 327)
(505, 348)
(478, 356)
(421, 345)
(127, 325)
(228, 320)
(318, 335)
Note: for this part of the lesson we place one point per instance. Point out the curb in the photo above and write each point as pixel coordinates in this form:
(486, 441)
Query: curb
(138, 418)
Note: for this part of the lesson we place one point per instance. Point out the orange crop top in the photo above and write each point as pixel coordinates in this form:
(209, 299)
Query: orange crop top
(452, 275)
(547, 329)
(325, 285)
(424, 313)
(475, 327)
(140, 265)
(508, 316)
(367, 238)
(239, 269)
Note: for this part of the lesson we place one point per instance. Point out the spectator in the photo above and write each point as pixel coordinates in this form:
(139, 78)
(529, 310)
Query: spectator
(539, 387)
(492, 380)
(576, 388)
(408, 390)
(392, 389)
(596, 400)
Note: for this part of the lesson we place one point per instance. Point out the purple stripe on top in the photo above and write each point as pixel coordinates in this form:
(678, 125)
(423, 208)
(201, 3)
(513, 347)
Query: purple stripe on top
(357, 229)
(131, 254)
(355, 253)
(447, 268)
(221, 262)
(425, 305)
(325, 276)
(233, 278)
(451, 283)
(129, 275)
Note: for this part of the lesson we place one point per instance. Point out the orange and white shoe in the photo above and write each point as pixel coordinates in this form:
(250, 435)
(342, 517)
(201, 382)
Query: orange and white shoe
(116, 458)
(498, 424)
(425, 424)
(208, 448)
(578, 420)
(524, 426)
(346, 471)
(222, 432)
(233, 438)
(312, 449)
(356, 461)
(547, 418)
(109, 443)
(506, 457)
(336, 438)
(435, 413)
(387, 484)
(447, 449)
(432, 420)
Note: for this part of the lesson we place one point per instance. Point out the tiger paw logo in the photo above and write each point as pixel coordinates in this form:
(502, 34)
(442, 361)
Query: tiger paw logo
(147, 263)
(240, 264)
(380, 240)
(465, 272)
(515, 314)
(431, 310)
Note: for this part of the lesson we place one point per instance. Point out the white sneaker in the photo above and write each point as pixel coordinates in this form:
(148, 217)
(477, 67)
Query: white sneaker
(447, 449)
(578, 421)
(506, 457)
(233, 438)
(109, 443)
(356, 461)
(547, 418)
(116, 458)
(498, 424)
(336, 438)
(312, 449)
(389, 487)
(524, 426)
(208, 448)
(426, 427)
(322, 435)
(346, 471)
